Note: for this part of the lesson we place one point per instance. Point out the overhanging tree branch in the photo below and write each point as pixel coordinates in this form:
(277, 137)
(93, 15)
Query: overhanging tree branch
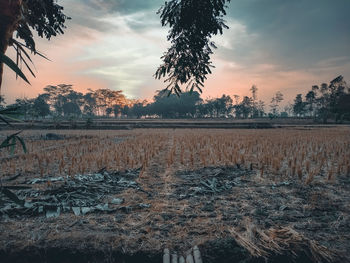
(192, 24)
(43, 16)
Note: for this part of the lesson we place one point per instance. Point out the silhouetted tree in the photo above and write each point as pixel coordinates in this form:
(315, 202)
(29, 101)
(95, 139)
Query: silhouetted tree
(40, 106)
(260, 109)
(275, 101)
(89, 104)
(246, 107)
(192, 24)
(343, 107)
(117, 109)
(139, 109)
(255, 111)
(311, 101)
(106, 98)
(25, 107)
(109, 112)
(299, 105)
(58, 96)
(323, 102)
(173, 106)
(125, 110)
(221, 107)
(43, 16)
(70, 108)
(205, 110)
(338, 89)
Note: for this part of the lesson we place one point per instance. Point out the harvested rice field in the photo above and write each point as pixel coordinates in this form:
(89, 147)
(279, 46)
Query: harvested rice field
(276, 195)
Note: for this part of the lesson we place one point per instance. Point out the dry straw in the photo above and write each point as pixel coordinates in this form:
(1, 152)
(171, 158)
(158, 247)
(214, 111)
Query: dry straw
(277, 154)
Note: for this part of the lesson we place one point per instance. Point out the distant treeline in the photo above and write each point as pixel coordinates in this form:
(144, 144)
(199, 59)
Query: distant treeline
(324, 102)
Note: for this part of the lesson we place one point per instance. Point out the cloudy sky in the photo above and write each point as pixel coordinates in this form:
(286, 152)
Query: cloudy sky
(277, 45)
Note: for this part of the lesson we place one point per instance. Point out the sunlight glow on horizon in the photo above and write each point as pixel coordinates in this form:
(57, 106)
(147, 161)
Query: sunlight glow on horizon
(121, 51)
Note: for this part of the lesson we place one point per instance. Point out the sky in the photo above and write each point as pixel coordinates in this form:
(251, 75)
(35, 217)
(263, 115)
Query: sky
(285, 46)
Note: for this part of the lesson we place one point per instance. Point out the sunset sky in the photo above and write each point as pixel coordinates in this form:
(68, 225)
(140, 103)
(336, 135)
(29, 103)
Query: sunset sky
(117, 44)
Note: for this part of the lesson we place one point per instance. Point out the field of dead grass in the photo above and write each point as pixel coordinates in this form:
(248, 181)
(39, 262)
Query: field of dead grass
(279, 153)
(270, 192)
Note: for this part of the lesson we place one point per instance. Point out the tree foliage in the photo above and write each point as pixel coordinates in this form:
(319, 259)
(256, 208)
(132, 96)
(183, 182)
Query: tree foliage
(275, 102)
(299, 105)
(327, 101)
(46, 18)
(192, 24)
(173, 106)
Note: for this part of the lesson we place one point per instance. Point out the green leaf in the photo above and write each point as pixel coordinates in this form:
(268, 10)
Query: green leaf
(6, 143)
(10, 141)
(12, 65)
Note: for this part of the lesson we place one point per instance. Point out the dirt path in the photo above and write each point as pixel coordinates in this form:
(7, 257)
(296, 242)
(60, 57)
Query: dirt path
(155, 176)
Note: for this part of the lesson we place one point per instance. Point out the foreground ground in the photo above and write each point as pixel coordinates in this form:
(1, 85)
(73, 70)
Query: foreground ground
(244, 195)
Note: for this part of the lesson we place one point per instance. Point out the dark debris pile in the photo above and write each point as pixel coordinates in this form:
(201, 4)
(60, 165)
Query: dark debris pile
(210, 181)
(80, 194)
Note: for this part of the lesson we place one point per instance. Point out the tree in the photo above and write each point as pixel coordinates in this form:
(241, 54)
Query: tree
(174, 106)
(288, 109)
(139, 109)
(329, 98)
(343, 107)
(255, 110)
(221, 107)
(187, 104)
(40, 106)
(106, 98)
(338, 89)
(299, 106)
(70, 108)
(125, 110)
(109, 112)
(246, 107)
(254, 91)
(192, 24)
(89, 104)
(43, 16)
(58, 96)
(25, 107)
(260, 109)
(275, 101)
(322, 103)
(310, 101)
(117, 109)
